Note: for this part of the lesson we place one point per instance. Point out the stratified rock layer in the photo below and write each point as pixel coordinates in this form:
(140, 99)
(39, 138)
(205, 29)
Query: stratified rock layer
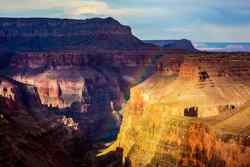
(43, 34)
(32, 136)
(58, 56)
(158, 131)
(83, 68)
(211, 83)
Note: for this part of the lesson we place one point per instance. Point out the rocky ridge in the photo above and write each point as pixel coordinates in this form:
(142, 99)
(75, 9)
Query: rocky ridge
(158, 131)
(80, 68)
(43, 34)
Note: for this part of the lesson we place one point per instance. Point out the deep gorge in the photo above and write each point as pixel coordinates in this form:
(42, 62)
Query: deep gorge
(62, 91)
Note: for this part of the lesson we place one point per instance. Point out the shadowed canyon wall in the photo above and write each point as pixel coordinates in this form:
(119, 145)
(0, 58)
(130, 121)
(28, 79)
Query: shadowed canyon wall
(81, 68)
(37, 34)
(32, 136)
(184, 109)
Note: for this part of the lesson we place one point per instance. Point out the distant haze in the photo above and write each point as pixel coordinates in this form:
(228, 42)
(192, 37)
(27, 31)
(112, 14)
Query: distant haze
(225, 47)
(211, 46)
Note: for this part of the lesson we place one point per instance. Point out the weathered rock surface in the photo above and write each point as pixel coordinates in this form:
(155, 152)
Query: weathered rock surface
(156, 131)
(62, 87)
(102, 46)
(32, 136)
(42, 34)
(82, 67)
(91, 98)
(211, 83)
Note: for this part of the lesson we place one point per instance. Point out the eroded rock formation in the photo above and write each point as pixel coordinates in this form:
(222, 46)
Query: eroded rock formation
(36, 34)
(156, 132)
(81, 68)
(32, 136)
(69, 52)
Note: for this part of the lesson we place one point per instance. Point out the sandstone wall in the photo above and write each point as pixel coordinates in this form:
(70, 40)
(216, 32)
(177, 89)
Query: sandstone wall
(151, 136)
(155, 131)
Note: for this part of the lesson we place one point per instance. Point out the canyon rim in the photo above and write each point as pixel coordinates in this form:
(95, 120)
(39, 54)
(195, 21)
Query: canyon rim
(105, 84)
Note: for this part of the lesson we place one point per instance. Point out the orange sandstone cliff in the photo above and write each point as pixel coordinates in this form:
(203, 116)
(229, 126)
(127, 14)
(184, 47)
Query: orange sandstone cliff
(197, 117)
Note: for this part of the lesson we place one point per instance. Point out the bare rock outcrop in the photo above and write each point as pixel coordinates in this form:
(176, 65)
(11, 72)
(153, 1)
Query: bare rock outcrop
(30, 135)
(79, 67)
(63, 51)
(160, 127)
(40, 34)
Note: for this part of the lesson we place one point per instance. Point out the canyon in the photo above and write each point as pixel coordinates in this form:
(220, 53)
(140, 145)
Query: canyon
(30, 135)
(90, 93)
(81, 68)
(63, 84)
(192, 114)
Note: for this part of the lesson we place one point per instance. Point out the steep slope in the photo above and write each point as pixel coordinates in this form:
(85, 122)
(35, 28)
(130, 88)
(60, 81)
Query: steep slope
(236, 123)
(32, 136)
(103, 47)
(211, 83)
(43, 34)
(160, 122)
(79, 67)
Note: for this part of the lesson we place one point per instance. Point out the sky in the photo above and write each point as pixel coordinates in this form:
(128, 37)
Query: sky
(197, 20)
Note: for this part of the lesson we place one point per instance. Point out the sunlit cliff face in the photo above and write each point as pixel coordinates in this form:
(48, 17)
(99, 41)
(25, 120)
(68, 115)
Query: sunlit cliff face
(194, 118)
(65, 87)
(57, 88)
(209, 85)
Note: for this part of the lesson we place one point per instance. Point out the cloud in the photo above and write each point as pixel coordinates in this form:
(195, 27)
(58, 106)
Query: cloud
(227, 33)
(210, 33)
(15, 5)
(229, 47)
(69, 8)
(178, 30)
(99, 8)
